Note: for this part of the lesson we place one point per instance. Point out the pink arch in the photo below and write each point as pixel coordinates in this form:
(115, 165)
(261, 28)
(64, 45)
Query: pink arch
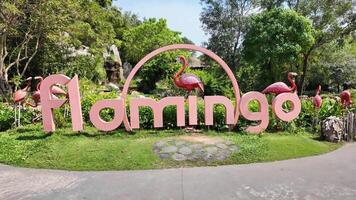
(175, 47)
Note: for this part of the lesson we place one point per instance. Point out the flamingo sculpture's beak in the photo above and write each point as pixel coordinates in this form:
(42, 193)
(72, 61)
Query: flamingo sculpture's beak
(38, 77)
(294, 74)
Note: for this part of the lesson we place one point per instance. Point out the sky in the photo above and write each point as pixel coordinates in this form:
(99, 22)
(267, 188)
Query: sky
(181, 15)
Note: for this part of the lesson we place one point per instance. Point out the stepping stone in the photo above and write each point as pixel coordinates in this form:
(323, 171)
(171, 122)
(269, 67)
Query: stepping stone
(164, 155)
(159, 144)
(211, 150)
(234, 149)
(196, 146)
(169, 149)
(222, 146)
(208, 157)
(178, 157)
(185, 150)
(180, 143)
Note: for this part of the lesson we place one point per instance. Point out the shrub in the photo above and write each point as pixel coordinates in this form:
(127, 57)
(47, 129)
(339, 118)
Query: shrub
(91, 98)
(6, 117)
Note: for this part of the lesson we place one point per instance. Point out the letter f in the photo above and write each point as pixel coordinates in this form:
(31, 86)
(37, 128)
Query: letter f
(48, 102)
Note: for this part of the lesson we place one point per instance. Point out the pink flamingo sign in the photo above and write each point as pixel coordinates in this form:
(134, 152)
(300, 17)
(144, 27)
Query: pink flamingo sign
(118, 105)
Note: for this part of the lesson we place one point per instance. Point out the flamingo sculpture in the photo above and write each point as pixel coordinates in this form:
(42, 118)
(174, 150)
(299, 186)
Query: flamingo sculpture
(36, 96)
(280, 87)
(19, 98)
(317, 105)
(317, 99)
(345, 97)
(187, 82)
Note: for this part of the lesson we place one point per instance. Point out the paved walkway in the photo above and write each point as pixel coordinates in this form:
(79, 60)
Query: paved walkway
(330, 176)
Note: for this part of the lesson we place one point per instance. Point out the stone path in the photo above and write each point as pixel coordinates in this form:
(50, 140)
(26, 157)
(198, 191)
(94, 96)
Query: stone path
(330, 176)
(182, 150)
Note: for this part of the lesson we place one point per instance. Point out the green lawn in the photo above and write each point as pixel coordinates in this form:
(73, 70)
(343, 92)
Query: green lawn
(92, 150)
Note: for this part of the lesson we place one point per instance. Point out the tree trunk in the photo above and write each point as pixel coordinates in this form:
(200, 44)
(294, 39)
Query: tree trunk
(5, 89)
(305, 69)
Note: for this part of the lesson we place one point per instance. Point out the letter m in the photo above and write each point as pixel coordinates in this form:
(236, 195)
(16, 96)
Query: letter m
(157, 108)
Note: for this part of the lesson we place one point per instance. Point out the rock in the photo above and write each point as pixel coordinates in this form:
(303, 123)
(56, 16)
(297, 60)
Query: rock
(211, 150)
(169, 149)
(164, 155)
(208, 157)
(222, 146)
(180, 143)
(159, 144)
(196, 146)
(234, 149)
(332, 129)
(178, 157)
(222, 156)
(185, 150)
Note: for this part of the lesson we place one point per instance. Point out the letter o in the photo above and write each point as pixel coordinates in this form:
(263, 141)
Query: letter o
(94, 114)
(278, 109)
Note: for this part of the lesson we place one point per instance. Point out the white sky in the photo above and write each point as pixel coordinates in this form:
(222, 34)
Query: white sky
(181, 15)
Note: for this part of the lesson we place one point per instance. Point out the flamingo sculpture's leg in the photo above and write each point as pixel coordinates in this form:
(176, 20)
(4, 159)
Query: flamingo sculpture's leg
(15, 113)
(20, 107)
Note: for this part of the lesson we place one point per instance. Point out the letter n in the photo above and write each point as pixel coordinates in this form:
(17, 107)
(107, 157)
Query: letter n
(210, 101)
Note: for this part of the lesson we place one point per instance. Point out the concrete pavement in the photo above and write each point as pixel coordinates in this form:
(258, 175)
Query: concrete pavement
(329, 176)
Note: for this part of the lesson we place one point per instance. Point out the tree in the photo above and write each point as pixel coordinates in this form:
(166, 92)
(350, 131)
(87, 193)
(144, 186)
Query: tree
(226, 21)
(277, 39)
(24, 26)
(332, 19)
(340, 63)
(141, 40)
(88, 26)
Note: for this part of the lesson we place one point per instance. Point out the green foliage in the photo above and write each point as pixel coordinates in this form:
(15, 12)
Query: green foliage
(277, 38)
(226, 22)
(89, 67)
(6, 117)
(91, 98)
(145, 38)
(211, 83)
(162, 67)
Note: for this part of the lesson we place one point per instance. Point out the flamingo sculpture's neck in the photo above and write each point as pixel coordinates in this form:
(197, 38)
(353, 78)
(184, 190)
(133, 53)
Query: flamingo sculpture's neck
(39, 83)
(176, 77)
(318, 90)
(27, 87)
(290, 79)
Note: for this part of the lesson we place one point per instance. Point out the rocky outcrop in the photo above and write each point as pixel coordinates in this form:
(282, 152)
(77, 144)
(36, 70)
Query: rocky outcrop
(332, 129)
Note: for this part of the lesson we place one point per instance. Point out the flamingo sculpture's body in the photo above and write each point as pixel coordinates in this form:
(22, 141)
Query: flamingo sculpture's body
(19, 98)
(345, 97)
(317, 99)
(187, 82)
(280, 87)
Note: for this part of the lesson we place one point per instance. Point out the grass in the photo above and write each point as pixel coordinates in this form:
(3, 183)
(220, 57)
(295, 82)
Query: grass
(92, 150)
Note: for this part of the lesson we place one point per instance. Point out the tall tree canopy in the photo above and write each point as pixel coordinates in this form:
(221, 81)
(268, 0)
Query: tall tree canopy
(277, 38)
(39, 37)
(226, 22)
(141, 40)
